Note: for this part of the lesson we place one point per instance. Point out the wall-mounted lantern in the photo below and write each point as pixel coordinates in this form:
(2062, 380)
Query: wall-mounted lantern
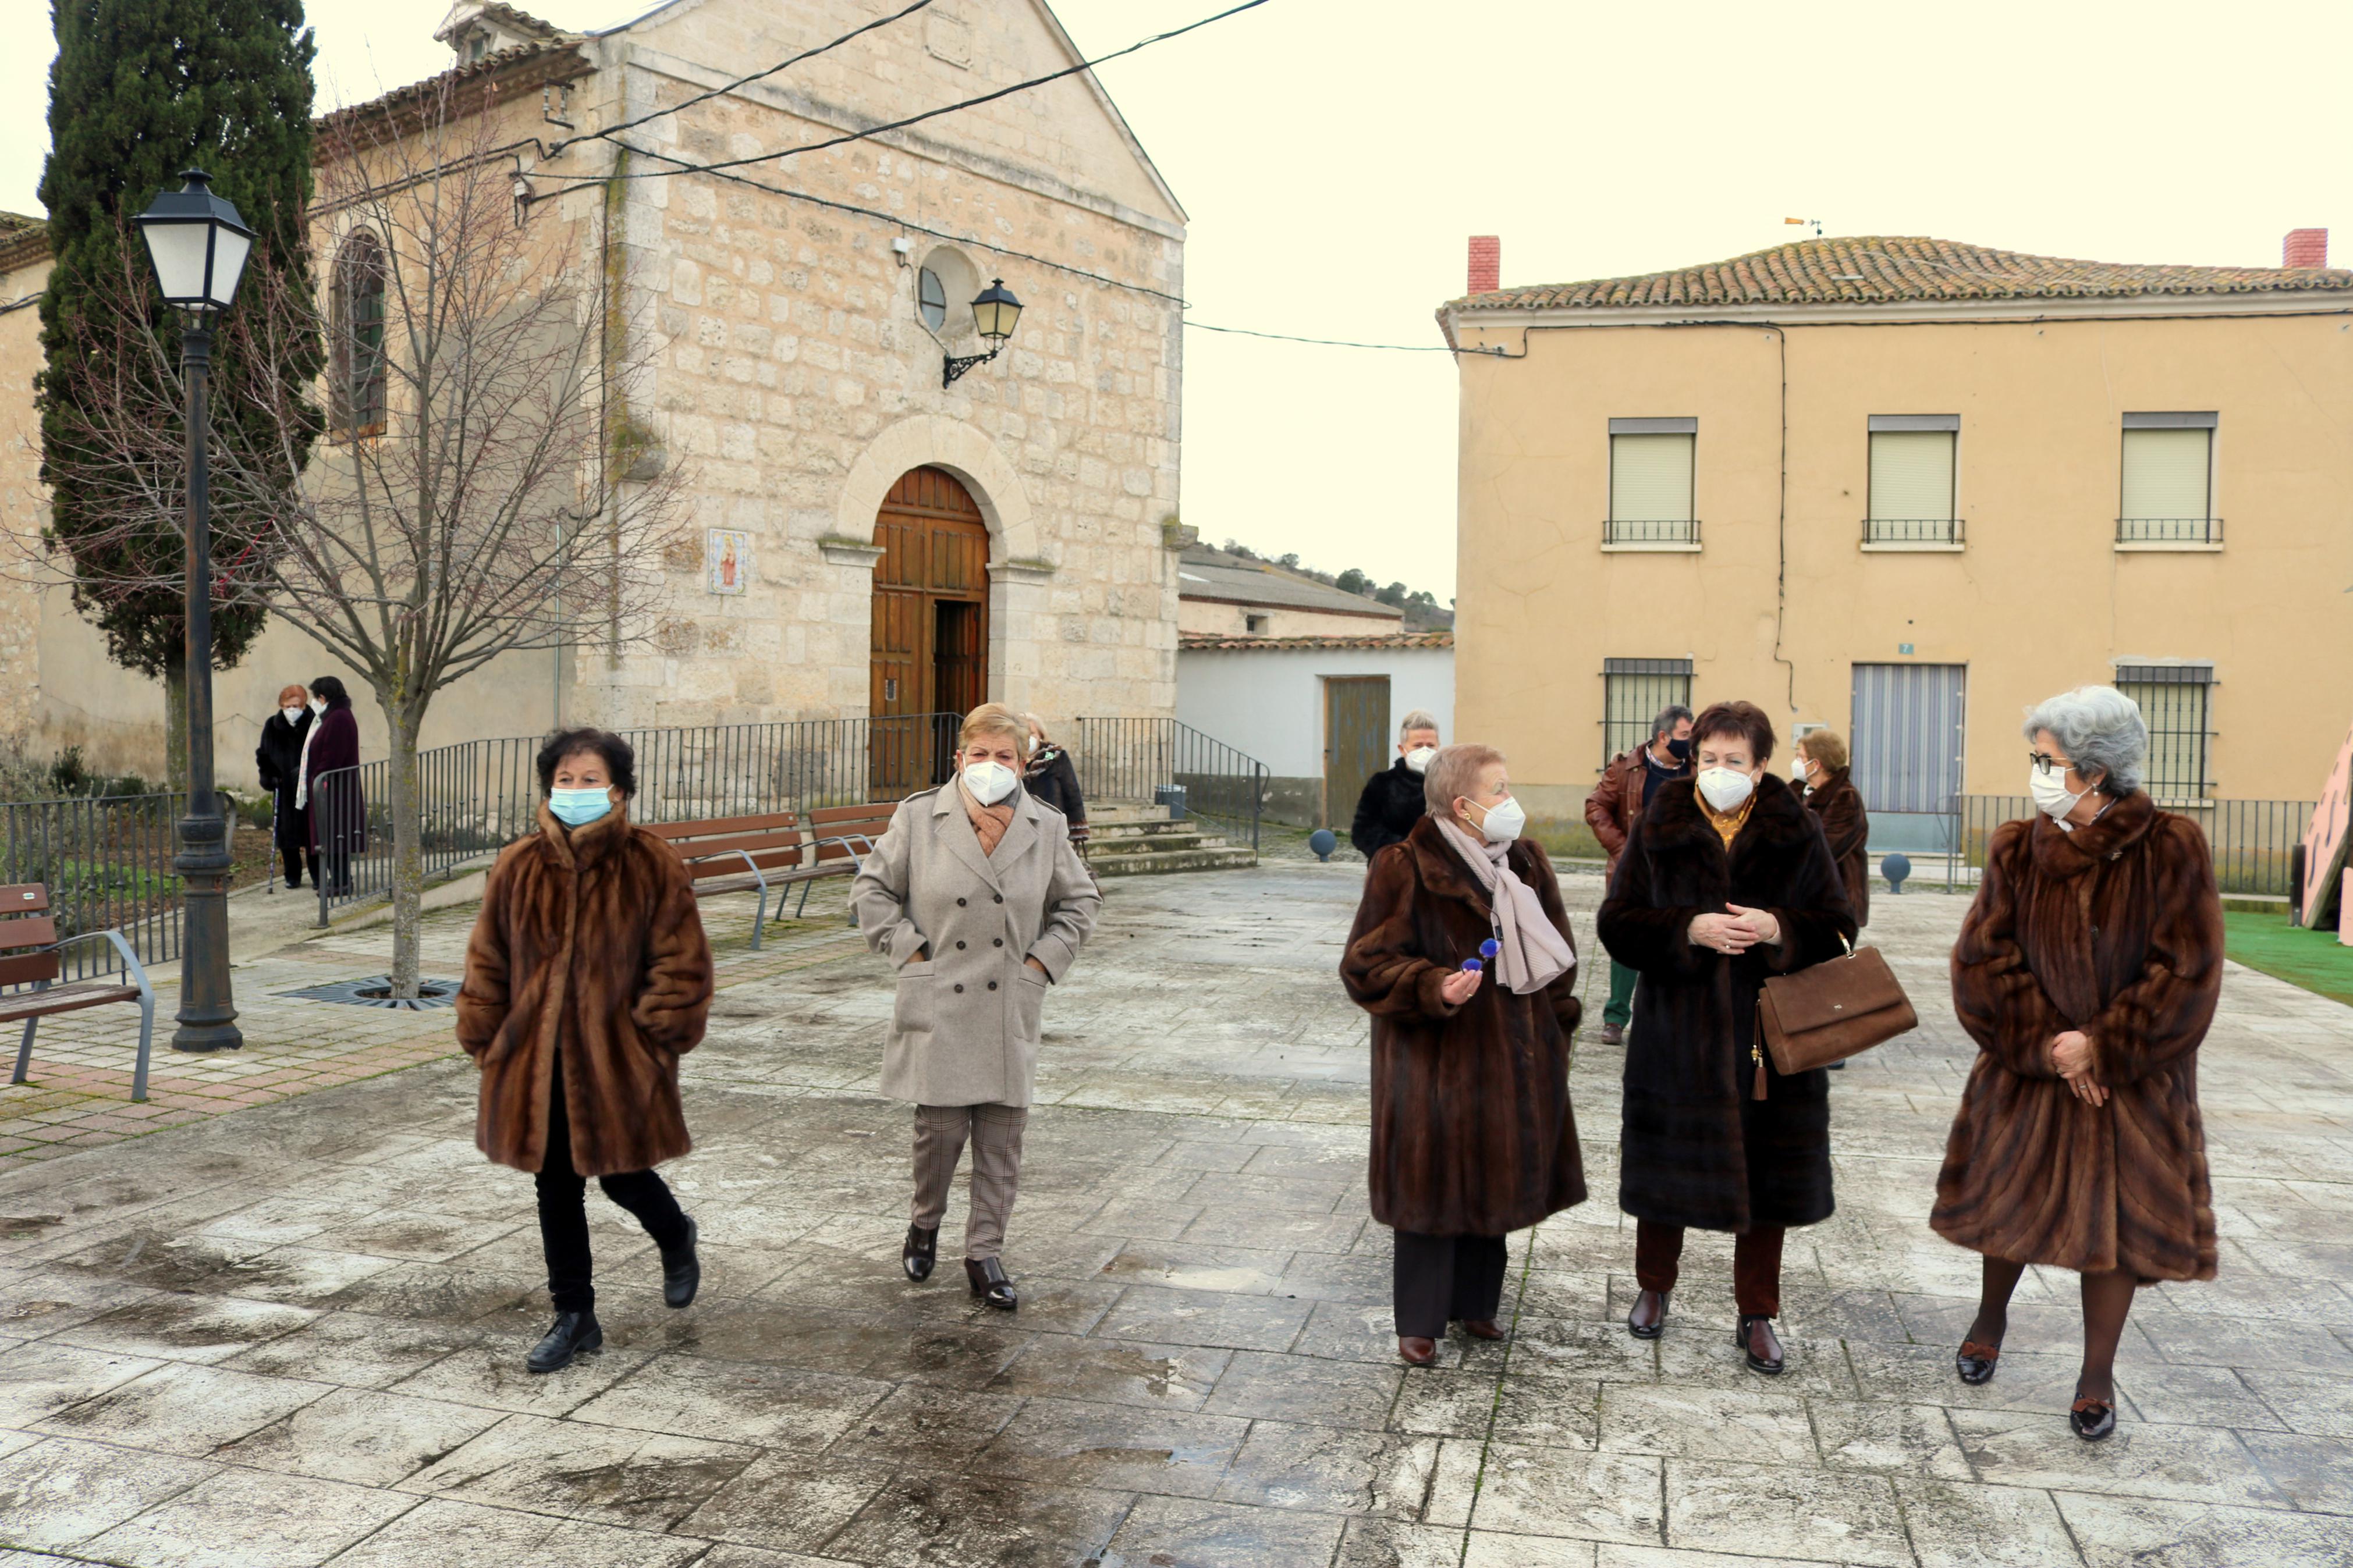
(995, 312)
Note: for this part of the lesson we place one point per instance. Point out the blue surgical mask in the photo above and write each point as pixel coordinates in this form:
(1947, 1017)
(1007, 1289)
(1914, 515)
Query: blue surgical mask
(578, 807)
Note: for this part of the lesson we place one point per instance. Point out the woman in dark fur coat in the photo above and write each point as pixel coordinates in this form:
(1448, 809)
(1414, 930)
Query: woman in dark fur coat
(1726, 881)
(587, 977)
(1472, 1134)
(2087, 971)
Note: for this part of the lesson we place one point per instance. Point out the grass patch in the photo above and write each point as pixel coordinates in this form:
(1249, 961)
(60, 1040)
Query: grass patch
(2314, 960)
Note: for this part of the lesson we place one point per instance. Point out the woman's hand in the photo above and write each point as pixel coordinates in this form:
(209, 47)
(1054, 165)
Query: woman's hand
(1763, 925)
(922, 954)
(1722, 933)
(1460, 987)
(2071, 1055)
(1038, 966)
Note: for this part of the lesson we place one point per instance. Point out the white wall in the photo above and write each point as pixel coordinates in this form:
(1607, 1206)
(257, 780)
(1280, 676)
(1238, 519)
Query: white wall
(1269, 702)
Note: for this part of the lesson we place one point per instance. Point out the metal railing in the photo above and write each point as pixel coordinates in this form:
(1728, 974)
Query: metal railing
(1651, 530)
(2252, 840)
(107, 862)
(2169, 531)
(478, 797)
(1129, 760)
(1914, 531)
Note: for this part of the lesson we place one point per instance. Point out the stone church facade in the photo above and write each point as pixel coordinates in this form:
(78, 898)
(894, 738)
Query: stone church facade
(863, 537)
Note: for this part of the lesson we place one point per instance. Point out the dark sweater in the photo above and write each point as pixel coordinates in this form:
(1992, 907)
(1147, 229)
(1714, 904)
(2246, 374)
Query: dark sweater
(1386, 811)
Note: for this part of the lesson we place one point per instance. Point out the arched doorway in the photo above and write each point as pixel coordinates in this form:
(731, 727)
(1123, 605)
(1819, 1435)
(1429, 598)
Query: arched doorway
(930, 638)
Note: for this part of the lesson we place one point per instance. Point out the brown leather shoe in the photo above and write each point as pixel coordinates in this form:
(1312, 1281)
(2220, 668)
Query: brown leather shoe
(1484, 1329)
(1757, 1342)
(1613, 1034)
(1415, 1351)
(1648, 1318)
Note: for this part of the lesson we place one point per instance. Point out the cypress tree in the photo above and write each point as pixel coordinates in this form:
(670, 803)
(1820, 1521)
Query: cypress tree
(140, 90)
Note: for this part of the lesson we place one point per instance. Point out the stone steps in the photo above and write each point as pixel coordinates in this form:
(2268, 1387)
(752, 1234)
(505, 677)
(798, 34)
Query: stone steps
(1142, 841)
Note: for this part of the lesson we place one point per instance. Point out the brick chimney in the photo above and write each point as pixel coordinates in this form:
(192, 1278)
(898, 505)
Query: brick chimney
(1487, 263)
(2302, 247)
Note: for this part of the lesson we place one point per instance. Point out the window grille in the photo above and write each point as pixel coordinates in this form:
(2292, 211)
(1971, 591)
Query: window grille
(2176, 705)
(1632, 692)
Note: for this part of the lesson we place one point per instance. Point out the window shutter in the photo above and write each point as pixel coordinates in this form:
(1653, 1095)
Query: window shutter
(2166, 473)
(1651, 477)
(1912, 474)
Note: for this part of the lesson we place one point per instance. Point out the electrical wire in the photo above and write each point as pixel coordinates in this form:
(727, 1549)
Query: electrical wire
(611, 131)
(872, 131)
(1336, 342)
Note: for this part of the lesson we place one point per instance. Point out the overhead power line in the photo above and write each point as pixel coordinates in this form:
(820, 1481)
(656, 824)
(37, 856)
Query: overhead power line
(742, 82)
(1334, 342)
(872, 131)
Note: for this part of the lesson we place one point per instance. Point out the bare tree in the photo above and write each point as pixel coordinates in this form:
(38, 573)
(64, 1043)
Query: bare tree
(469, 498)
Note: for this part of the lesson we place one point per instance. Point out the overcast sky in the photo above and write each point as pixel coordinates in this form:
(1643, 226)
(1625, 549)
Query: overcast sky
(1334, 156)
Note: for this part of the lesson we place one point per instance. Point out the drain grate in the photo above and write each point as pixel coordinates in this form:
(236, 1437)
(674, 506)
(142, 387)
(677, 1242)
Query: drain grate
(376, 992)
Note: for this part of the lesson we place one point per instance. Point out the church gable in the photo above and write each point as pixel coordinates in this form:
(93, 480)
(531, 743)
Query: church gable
(1066, 133)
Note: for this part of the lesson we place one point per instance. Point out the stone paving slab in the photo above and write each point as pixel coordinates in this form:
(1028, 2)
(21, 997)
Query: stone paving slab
(291, 1332)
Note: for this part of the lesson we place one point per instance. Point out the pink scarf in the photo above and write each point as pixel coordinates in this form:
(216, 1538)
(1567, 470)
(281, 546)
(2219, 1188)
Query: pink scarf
(1531, 953)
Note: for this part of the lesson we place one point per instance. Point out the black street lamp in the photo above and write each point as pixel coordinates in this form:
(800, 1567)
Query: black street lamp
(198, 244)
(995, 312)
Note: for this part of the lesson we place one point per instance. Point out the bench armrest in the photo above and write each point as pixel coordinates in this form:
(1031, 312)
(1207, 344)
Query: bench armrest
(137, 971)
(757, 875)
(846, 838)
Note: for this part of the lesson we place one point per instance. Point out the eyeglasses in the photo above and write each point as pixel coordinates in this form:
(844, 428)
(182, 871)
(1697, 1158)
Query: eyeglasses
(2046, 765)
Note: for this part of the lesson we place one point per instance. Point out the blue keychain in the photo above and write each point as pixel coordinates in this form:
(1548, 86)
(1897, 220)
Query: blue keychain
(1487, 950)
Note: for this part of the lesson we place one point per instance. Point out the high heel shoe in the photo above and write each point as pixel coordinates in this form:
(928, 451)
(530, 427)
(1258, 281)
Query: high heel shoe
(989, 1283)
(1757, 1342)
(1974, 1361)
(1648, 1318)
(2092, 1419)
(916, 1257)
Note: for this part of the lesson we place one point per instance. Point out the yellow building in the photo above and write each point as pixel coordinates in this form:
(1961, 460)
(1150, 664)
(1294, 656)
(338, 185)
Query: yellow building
(1906, 487)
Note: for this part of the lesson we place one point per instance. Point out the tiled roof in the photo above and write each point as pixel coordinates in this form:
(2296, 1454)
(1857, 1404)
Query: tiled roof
(1227, 584)
(1211, 642)
(22, 240)
(1873, 270)
(530, 64)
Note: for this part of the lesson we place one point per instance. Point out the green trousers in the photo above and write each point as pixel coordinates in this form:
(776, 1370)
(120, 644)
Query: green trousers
(1621, 1010)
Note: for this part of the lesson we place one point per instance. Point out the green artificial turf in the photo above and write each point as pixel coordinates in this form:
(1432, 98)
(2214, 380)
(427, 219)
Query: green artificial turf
(2315, 960)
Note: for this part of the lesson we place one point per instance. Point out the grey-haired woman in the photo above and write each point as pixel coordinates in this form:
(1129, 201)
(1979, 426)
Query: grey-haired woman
(2087, 971)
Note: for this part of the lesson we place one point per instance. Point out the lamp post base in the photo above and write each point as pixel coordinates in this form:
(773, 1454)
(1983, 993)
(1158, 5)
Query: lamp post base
(208, 1016)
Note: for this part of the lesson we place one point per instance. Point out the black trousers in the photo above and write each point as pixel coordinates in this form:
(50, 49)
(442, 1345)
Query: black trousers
(1443, 1279)
(295, 858)
(564, 1210)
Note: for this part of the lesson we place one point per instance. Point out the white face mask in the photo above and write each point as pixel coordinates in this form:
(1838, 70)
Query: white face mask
(1725, 788)
(1503, 821)
(989, 782)
(1418, 760)
(2052, 797)
(318, 705)
(293, 715)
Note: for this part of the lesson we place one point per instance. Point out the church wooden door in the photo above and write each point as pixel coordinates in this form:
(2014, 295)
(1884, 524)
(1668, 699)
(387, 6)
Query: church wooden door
(930, 639)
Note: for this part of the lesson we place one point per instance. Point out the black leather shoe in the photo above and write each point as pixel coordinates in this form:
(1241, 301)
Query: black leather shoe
(923, 1246)
(1757, 1342)
(1648, 1318)
(989, 1283)
(681, 1270)
(1975, 1362)
(573, 1334)
(2092, 1419)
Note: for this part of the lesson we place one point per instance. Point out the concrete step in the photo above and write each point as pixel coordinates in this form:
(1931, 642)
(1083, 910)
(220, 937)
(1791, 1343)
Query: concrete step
(1153, 844)
(1221, 857)
(1154, 828)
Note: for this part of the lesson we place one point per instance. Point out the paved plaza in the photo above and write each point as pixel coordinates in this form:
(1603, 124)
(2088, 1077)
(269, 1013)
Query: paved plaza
(291, 1332)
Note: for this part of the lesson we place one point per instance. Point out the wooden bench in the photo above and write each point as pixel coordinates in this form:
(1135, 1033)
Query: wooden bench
(840, 835)
(736, 853)
(28, 956)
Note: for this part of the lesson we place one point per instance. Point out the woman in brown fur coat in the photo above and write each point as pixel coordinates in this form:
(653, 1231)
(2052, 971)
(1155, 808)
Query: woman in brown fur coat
(1472, 1134)
(586, 978)
(2087, 971)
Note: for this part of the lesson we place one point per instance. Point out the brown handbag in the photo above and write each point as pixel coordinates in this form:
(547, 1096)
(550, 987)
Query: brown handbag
(1829, 1012)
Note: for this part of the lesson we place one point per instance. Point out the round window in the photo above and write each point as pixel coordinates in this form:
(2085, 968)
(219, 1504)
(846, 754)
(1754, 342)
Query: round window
(931, 299)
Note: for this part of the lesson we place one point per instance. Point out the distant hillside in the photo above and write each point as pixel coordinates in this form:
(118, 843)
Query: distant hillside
(1423, 612)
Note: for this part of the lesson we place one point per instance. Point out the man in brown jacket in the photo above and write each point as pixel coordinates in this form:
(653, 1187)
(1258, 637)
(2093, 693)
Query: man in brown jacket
(1612, 809)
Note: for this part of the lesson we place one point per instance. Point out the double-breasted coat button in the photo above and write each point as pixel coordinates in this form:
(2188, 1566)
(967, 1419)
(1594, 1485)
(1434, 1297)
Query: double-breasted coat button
(959, 988)
(999, 942)
(960, 903)
(959, 947)
(992, 985)
(999, 899)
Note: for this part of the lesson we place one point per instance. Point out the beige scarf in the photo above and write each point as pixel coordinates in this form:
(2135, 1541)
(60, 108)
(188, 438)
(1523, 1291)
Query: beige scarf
(988, 822)
(1531, 953)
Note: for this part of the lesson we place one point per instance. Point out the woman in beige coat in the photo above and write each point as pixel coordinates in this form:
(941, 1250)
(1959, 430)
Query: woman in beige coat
(976, 898)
